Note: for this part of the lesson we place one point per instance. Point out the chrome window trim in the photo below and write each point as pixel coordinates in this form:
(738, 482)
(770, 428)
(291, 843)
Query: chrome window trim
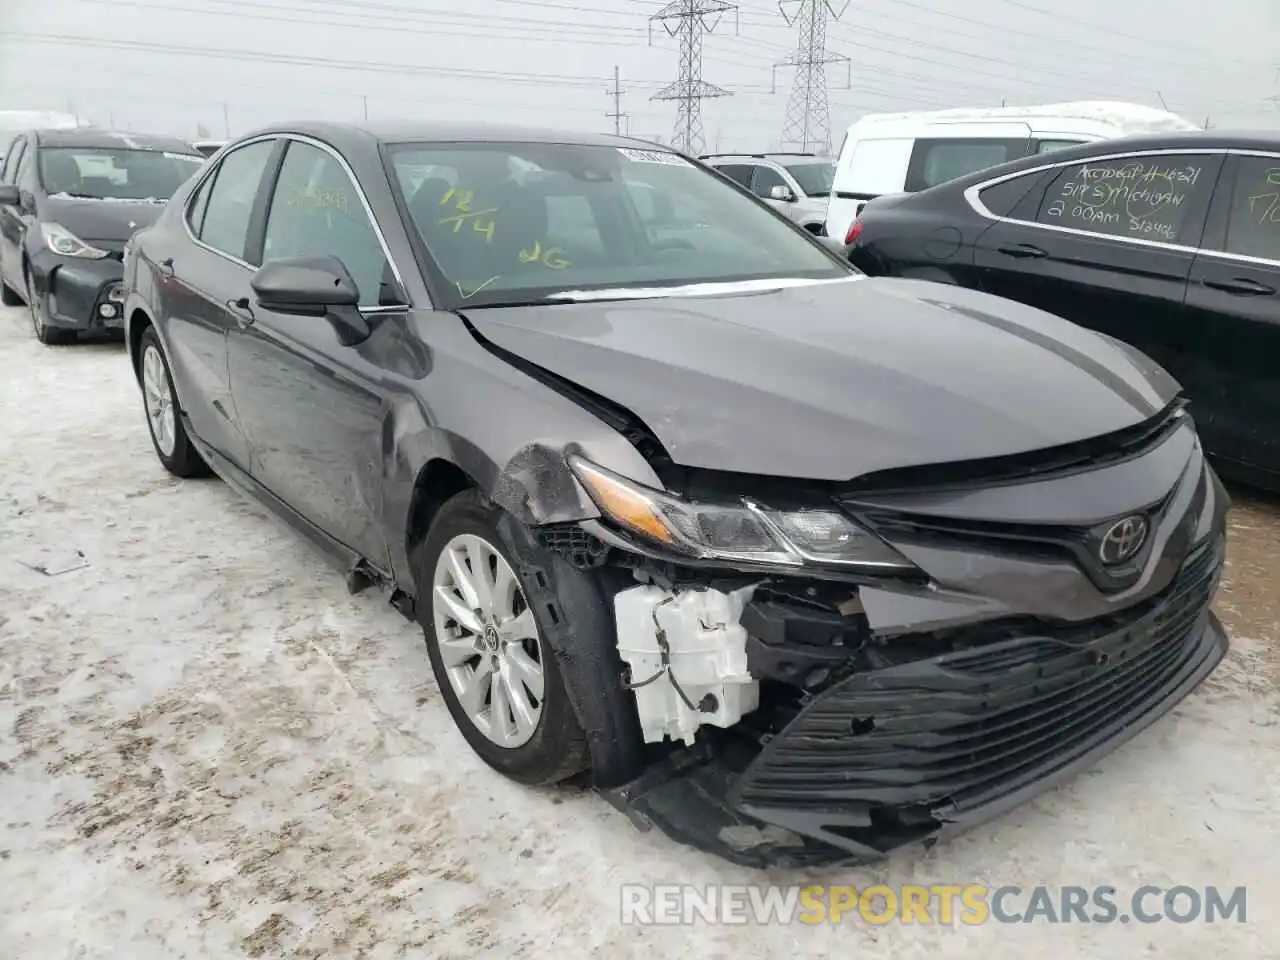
(351, 177)
(972, 198)
(210, 171)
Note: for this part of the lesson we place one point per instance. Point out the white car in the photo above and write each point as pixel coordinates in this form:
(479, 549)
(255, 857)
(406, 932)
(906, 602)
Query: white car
(796, 184)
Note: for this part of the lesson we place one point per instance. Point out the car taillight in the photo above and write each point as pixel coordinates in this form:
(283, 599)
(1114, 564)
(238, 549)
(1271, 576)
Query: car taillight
(855, 229)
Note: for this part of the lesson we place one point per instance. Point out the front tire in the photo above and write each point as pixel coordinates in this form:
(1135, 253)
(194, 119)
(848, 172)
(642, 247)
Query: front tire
(488, 648)
(48, 335)
(160, 401)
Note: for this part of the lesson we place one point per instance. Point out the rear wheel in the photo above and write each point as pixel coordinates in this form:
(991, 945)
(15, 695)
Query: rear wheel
(495, 669)
(9, 297)
(168, 435)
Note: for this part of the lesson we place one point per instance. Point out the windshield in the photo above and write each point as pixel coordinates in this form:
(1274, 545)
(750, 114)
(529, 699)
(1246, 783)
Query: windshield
(814, 178)
(111, 174)
(526, 222)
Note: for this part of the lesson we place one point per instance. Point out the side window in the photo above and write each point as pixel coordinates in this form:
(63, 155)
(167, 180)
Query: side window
(1001, 198)
(197, 204)
(230, 205)
(10, 172)
(740, 172)
(765, 179)
(1048, 146)
(937, 161)
(1145, 198)
(316, 212)
(1253, 228)
(25, 176)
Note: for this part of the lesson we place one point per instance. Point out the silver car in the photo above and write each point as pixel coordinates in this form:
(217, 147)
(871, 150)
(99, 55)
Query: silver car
(797, 184)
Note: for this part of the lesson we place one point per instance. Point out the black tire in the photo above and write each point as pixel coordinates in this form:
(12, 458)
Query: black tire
(9, 298)
(46, 334)
(558, 747)
(185, 461)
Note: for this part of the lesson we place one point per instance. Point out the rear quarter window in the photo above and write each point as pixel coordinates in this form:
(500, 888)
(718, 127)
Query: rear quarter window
(1002, 198)
(938, 161)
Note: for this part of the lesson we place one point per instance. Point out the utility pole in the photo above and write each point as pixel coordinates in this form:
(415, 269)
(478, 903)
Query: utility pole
(807, 124)
(617, 114)
(690, 19)
(226, 121)
(365, 103)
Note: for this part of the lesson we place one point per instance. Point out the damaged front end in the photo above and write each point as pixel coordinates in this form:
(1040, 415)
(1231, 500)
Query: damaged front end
(824, 673)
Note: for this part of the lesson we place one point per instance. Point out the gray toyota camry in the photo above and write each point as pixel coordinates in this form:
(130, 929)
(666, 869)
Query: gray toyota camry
(801, 566)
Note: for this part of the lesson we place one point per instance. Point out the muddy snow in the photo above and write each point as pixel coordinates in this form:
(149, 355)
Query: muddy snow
(209, 749)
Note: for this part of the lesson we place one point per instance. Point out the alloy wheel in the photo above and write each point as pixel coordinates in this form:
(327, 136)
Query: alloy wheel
(157, 397)
(488, 640)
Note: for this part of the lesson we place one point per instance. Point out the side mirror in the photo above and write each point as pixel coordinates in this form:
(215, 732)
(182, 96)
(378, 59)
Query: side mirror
(781, 192)
(313, 287)
(10, 196)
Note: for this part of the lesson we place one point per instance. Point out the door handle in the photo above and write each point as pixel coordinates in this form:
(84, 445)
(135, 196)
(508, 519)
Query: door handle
(1022, 251)
(1241, 287)
(241, 310)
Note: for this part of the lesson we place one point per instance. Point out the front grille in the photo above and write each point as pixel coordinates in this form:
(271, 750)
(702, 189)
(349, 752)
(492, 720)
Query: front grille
(966, 728)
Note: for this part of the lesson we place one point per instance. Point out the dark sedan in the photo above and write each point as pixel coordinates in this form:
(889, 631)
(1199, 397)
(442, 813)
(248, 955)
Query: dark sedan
(757, 540)
(69, 199)
(1170, 243)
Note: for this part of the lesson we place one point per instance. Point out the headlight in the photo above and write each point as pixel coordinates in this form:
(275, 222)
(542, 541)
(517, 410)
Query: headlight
(745, 531)
(62, 241)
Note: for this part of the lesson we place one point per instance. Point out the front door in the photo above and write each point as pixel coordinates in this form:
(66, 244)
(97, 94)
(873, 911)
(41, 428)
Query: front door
(1108, 244)
(13, 222)
(1233, 300)
(311, 407)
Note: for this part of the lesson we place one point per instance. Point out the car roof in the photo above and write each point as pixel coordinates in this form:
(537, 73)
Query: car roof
(409, 131)
(1261, 140)
(94, 138)
(778, 157)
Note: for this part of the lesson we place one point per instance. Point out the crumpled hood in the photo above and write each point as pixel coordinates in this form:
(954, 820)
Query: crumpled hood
(832, 381)
(107, 220)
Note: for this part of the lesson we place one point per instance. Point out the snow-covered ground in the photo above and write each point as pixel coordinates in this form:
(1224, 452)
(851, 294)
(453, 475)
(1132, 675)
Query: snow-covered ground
(208, 749)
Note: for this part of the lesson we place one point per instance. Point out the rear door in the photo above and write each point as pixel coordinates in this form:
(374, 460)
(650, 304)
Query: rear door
(1232, 364)
(865, 170)
(738, 172)
(200, 285)
(1108, 243)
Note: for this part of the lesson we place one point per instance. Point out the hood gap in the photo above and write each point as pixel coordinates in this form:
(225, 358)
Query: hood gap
(635, 430)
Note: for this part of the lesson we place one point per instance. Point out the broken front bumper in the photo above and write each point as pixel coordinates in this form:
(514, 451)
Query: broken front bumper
(921, 750)
(83, 295)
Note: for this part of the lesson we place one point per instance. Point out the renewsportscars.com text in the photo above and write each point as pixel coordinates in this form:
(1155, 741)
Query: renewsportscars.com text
(945, 904)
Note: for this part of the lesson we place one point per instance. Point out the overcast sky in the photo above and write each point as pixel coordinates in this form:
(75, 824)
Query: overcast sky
(233, 65)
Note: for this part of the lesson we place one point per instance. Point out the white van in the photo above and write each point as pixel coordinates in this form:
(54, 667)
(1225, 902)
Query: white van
(905, 152)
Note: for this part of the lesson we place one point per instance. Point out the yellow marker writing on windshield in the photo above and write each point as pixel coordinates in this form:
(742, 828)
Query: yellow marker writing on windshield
(481, 220)
(547, 257)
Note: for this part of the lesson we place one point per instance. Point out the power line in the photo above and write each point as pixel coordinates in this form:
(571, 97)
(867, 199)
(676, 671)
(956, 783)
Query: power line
(807, 124)
(690, 17)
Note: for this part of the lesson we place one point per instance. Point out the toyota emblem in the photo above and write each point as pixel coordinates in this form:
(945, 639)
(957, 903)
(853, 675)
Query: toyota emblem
(1123, 540)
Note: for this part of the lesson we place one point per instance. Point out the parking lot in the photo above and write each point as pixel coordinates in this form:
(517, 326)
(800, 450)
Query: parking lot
(209, 749)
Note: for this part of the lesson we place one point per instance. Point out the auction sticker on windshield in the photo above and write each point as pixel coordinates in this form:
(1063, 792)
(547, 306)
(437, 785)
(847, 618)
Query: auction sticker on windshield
(653, 156)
